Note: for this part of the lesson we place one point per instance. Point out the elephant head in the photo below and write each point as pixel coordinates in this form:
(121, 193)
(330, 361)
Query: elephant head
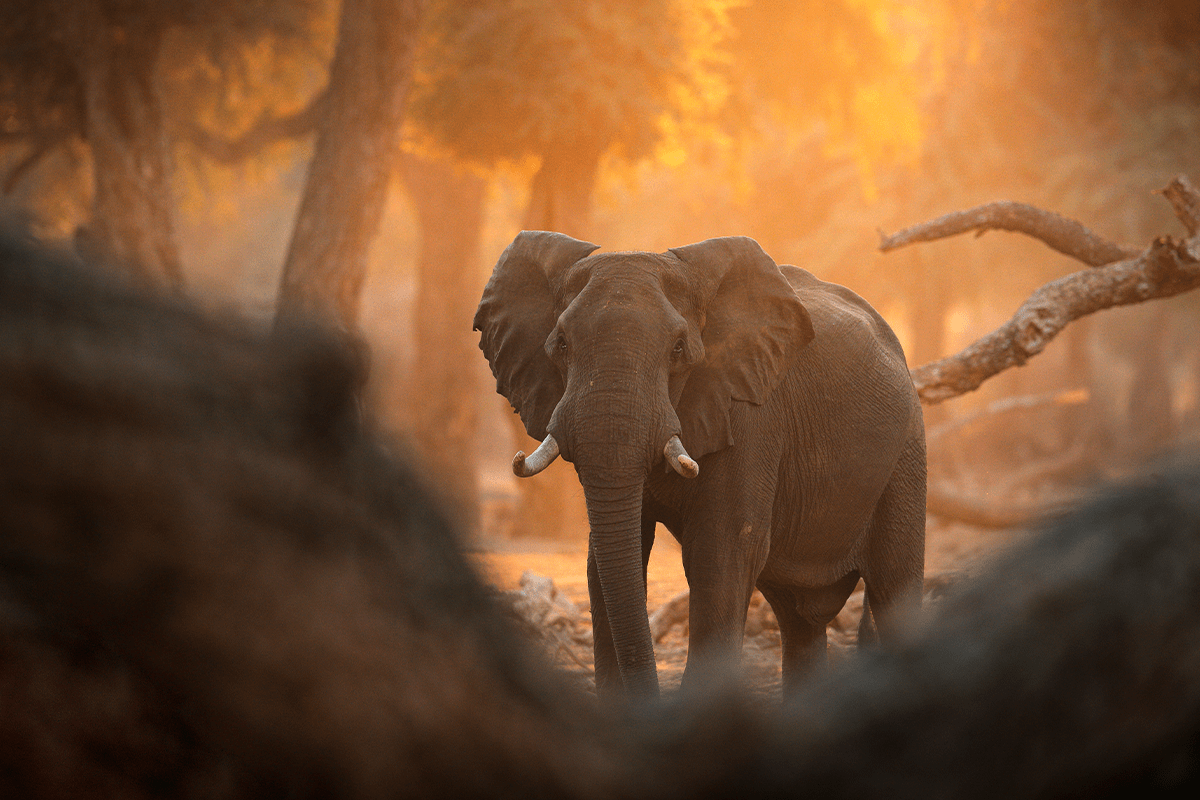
(618, 361)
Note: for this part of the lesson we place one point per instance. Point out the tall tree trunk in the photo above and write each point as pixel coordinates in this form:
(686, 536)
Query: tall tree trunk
(560, 199)
(131, 222)
(353, 158)
(560, 196)
(445, 395)
(932, 295)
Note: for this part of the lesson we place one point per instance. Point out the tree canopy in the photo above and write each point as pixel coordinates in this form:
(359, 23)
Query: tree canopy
(500, 80)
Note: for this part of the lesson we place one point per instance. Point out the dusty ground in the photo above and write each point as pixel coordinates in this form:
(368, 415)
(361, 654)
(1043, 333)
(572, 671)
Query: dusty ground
(952, 552)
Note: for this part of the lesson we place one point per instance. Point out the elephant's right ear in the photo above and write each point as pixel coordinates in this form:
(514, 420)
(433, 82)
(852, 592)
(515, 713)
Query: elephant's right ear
(516, 316)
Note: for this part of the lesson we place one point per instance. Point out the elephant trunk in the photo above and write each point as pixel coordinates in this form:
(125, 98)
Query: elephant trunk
(615, 514)
(615, 432)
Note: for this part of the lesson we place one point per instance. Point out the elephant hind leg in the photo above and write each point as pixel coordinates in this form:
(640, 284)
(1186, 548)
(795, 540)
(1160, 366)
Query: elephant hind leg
(803, 615)
(895, 561)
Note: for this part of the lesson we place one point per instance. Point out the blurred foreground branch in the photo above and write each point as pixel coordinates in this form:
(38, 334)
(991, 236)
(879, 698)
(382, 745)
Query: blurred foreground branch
(1166, 268)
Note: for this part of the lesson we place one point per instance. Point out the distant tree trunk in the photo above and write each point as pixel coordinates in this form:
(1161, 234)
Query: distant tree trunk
(932, 295)
(131, 222)
(560, 199)
(560, 196)
(445, 395)
(354, 155)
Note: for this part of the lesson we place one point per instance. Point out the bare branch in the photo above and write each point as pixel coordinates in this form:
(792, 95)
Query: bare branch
(943, 502)
(1167, 268)
(1186, 201)
(266, 131)
(1006, 405)
(1064, 235)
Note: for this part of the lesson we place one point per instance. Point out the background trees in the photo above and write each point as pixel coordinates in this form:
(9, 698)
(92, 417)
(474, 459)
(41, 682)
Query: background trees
(181, 138)
(84, 82)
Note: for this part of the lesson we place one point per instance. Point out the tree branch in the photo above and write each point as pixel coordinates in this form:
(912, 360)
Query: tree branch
(1186, 201)
(1166, 268)
(266, 131)
(1004, 406)
(943, 502)
(1064, 235)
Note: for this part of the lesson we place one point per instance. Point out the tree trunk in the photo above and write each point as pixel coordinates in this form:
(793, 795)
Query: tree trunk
(131, 222)
(560, 199)
(353, 158)
(560, 196)
(445, 396)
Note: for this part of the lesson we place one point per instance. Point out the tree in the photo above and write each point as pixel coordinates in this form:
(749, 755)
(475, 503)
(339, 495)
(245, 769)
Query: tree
(91, 71)
(444, 401)
(355, 153)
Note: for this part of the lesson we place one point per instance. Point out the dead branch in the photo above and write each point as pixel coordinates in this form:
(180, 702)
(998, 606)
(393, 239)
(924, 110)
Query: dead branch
(1006, 405)
(1060, 233)
(1166, 268)
(986, 513)
(1186, 201)
(1120, 277)
(567, 647)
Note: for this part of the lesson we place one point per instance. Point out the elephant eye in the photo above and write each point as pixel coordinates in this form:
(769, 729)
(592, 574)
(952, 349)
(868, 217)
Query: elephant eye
(561, 344)
(677, 351)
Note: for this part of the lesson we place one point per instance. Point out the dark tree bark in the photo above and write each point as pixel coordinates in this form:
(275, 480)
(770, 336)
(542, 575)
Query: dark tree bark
(131, 222)
(354, 155)
(445, 396)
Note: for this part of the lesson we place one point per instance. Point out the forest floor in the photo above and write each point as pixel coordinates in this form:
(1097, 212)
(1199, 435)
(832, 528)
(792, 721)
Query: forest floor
(560, 609)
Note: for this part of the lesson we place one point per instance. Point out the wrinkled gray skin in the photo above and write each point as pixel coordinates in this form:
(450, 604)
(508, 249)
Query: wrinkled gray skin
(790, 393)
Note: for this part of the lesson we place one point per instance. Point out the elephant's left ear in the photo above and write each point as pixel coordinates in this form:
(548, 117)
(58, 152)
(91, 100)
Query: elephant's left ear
(754, 327)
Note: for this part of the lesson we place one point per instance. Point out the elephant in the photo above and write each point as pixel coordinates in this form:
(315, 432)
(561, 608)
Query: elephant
(782, 406)
(218, 580)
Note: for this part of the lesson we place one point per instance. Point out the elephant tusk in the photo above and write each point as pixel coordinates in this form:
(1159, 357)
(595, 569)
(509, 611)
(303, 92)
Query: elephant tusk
(537, 461)
(679, 459)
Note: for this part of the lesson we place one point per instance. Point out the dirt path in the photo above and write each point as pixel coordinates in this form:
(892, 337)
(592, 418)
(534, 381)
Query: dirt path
(952, 552)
